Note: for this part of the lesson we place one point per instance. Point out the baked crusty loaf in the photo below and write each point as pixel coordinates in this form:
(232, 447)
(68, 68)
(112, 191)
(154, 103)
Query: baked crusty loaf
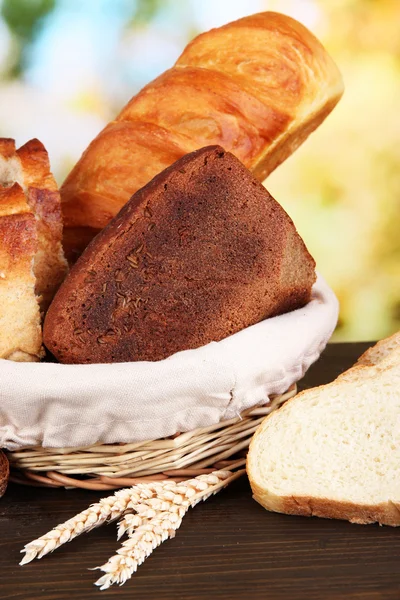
(4, 473)
(43, 197)
(29, 167)
(199, 253)
(32, 264)
(258, 87)
(20, 322)
(334, 451)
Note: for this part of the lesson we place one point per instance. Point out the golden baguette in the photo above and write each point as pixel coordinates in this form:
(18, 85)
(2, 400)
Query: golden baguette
(258, 87)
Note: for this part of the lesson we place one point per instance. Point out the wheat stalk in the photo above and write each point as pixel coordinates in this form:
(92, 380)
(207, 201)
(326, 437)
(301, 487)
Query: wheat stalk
(134, 551)
(132, 521)
(151, 530)
(108, 509)
(168, 500)
(159, 508)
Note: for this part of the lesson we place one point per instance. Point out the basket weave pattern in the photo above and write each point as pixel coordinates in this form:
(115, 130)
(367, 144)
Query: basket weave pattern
(110, 466)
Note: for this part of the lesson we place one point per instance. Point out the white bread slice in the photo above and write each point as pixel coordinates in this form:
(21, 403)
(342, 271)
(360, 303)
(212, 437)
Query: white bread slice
(334, 451)
(378, 352)
(372, 356)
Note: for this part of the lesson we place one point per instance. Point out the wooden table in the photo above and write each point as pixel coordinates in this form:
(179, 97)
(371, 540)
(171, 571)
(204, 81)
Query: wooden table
(228, 547)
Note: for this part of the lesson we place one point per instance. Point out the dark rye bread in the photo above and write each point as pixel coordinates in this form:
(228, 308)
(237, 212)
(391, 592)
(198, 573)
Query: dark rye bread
(199, 253)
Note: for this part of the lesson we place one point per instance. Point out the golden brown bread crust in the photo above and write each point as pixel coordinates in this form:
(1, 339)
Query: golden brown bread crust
(257, 87)
(291, 55)
(12, 202)
(32, 264)
(307, 506)
(199, 253)
(7, 147)
(29, 167)
(4, 473)
(126, 155)
(380, 350)
(20, 323)
(43, 197)
(50, 265)
(35, 166)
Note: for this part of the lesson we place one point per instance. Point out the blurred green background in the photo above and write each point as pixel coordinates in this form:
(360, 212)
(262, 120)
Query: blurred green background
(67, 67)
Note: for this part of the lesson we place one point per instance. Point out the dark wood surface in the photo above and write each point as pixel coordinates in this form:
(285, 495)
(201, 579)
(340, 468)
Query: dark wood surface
(228, 547)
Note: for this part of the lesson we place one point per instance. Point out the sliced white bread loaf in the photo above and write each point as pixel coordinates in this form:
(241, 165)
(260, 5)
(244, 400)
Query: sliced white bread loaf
(334, 451)
(378, 352)
(372, 356)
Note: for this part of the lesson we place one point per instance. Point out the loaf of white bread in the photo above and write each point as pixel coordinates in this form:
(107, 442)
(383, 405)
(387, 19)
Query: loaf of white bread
(257, 87)
(334, 451)
(32, 263)
(377, 353)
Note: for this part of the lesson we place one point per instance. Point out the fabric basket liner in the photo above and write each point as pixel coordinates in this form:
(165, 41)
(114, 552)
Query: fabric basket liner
(58, 406)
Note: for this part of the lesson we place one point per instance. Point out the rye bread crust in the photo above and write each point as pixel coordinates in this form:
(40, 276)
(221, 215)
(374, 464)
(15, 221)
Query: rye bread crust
(199, 253)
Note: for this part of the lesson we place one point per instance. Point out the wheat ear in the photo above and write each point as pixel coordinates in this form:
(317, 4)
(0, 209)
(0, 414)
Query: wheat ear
(132, 521)
(108, 509)
(153, 530)
(167, 500)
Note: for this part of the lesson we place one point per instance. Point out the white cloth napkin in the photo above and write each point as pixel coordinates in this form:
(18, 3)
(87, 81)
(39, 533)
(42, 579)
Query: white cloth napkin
(55, 405)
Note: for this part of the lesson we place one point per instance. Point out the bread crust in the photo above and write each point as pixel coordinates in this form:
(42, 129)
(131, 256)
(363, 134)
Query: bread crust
(35, 166)
(7, 147)
(199, 253)
(382, 355)
(258, 87)
(44, 200)
(32, 264)
(4, 473)
(124, 157)
(380, 350)
(20, 324)
(369, 365)
(308, 506)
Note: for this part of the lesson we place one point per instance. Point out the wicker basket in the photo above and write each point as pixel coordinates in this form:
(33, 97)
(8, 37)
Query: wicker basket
(111, 466)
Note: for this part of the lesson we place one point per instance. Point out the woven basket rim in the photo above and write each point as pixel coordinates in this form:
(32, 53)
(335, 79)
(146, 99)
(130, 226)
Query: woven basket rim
(111, 466)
